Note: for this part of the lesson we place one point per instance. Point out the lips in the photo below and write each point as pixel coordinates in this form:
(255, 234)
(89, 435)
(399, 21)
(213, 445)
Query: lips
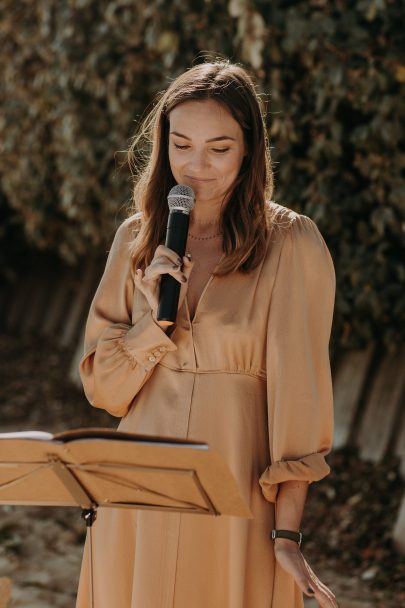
(198, 179)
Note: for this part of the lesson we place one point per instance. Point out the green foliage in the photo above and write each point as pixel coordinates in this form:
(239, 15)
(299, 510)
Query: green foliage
(78, 75)
(334, 73)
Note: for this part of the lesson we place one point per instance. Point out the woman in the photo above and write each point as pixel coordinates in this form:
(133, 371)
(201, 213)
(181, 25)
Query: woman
(245, 368)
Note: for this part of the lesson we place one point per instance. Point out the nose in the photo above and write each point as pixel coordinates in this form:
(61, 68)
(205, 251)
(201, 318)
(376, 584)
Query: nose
(198, 162)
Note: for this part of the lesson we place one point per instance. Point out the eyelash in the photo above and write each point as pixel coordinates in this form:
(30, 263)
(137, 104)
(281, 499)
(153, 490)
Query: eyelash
(219, 151)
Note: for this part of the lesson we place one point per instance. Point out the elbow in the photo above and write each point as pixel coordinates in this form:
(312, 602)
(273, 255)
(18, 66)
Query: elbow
(100, 397)
(112, 388)
(117, 409)
(104, 401)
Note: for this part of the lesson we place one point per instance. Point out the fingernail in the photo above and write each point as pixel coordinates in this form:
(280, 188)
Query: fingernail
(188, 255)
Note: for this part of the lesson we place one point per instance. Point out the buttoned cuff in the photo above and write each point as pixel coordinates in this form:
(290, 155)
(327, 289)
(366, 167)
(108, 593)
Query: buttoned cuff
(308, 468)
(147, 342)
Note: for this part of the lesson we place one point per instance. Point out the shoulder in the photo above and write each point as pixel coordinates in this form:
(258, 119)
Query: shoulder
(131, 225)
(300, 242)
(285, 218)
(285, 222)
(124, 237)
(279, 215)
(127, 230)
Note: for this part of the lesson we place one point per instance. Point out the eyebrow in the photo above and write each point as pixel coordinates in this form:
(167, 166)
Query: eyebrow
(220, 138)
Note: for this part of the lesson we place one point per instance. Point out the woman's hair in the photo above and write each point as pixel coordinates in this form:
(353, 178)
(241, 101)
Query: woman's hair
(245, 219)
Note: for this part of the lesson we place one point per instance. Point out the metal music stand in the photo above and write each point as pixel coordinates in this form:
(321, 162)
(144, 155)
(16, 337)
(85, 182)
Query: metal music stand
(92, 468)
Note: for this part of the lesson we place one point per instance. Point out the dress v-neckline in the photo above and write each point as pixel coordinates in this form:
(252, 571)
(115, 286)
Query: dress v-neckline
(202, 293)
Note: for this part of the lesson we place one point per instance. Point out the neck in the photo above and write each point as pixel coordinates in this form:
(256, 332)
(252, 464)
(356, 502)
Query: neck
(205, 216)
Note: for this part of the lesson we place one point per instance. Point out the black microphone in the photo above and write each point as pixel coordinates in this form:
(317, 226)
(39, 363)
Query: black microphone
(181, 201)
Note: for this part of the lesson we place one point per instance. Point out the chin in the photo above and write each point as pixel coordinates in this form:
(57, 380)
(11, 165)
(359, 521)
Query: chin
(207, 195)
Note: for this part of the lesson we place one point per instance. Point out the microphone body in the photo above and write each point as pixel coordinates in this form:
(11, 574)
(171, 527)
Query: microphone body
(176, 239)
(181, 201)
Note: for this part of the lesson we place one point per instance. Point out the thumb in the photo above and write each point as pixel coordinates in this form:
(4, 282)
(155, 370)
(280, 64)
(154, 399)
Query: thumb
(188, 264)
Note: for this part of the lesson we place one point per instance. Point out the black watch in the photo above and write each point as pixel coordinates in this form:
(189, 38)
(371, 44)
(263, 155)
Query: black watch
(297, 536)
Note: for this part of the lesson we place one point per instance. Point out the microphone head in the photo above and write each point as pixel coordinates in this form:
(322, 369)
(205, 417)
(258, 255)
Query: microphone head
(181, 197)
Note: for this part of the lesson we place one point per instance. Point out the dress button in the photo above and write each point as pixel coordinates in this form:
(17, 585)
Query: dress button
(156, 353)
(162, 349)
(152, 358)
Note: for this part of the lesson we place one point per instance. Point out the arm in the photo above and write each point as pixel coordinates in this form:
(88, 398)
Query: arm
(299, 397)
(120, 352)
(290, 504)
(299, 383)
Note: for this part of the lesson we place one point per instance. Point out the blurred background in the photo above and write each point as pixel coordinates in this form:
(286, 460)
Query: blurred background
(77, 76)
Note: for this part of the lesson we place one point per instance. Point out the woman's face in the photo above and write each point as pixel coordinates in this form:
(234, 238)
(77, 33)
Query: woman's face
(206, 148)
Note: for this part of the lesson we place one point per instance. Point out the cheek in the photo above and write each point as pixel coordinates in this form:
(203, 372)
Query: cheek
(175, 159)
(174, 163)
(230, 165)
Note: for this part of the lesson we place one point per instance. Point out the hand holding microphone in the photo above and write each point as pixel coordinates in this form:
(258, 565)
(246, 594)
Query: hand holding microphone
(165, 261)
(165, 281)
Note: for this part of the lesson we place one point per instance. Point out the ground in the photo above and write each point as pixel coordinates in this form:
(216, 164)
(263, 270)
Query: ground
(346, 525)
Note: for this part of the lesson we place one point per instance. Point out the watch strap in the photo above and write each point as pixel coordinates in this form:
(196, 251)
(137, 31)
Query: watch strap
(296, 536)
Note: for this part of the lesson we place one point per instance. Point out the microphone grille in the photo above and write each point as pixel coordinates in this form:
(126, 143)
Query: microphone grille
(181, 197)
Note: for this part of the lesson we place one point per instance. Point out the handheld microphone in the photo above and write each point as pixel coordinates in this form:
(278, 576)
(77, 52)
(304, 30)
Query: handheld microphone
(181, 201)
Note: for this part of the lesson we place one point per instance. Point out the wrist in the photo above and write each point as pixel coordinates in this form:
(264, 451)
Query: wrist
(285, 543)
(285, 538)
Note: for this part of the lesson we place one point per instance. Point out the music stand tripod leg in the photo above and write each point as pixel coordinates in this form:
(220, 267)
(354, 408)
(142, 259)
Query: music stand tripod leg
(81, 497)
(89, 516)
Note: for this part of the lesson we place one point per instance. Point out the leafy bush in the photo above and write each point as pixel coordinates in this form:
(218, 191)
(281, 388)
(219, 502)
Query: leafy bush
(78, 76)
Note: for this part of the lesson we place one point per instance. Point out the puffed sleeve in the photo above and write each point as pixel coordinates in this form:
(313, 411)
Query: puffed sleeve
(120, 353)
(299, 382)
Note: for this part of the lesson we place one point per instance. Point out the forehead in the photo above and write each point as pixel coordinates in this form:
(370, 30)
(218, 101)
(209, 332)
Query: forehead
(205, 115)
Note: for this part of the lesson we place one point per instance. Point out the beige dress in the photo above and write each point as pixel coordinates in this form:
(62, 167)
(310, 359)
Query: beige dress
(250, 375)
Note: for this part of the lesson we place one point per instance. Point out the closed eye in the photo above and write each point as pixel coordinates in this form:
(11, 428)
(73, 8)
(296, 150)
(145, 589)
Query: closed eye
(218, 150)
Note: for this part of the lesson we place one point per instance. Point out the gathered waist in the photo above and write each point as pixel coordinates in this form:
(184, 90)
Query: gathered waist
(259, 374)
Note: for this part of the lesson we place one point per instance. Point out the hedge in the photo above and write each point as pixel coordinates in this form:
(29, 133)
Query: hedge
(78, 77)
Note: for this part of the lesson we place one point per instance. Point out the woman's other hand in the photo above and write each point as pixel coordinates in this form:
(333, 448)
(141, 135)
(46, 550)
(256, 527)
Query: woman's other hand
(290, 558)
(165, 261)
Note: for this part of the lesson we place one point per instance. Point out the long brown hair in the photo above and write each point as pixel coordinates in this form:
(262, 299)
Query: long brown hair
(245, 219)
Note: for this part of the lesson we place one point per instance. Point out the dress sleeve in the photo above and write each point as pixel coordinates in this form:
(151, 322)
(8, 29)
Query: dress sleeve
(299, 382)
(120, 353)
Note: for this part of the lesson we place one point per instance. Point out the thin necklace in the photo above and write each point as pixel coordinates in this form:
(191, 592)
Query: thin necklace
(204, 238)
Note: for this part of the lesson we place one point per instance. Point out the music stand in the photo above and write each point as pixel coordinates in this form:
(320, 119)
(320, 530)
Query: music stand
(92, 468)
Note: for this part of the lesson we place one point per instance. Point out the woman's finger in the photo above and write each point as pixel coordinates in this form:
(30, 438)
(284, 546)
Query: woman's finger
(321, 592)
(187, 265)
(156, 269)
(148, 281)
(295, 563)
(171, 255)
(138, 276)
(316, 581)
(325, 600)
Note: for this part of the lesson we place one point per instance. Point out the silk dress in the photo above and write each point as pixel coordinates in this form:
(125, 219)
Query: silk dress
(249, 375)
